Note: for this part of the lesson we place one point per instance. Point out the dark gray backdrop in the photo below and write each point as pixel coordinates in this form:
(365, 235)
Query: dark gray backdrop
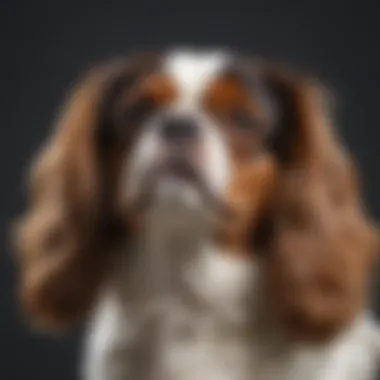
(45, 44)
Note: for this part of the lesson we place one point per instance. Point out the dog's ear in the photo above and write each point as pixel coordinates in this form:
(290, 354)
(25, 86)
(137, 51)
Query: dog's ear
(318, 240)
(66, 238)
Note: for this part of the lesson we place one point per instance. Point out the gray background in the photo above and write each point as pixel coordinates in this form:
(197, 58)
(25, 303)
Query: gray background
(46, 44)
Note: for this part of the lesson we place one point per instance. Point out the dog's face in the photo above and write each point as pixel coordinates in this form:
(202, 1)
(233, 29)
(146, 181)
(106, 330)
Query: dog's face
(196, 129)
(181, 151)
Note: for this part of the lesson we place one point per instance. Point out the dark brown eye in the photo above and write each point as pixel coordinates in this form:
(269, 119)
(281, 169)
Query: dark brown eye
(138, 110)
(242, 120)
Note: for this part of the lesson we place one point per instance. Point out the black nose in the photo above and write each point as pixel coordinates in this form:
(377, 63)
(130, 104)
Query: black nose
(179, 130)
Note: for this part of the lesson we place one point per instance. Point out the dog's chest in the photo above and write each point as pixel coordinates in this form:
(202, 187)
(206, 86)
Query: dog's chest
(198, 344)
(197, 324)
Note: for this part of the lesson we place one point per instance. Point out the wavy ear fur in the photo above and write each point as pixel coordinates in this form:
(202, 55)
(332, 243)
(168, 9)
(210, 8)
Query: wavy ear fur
(66, 238)
(318, 240)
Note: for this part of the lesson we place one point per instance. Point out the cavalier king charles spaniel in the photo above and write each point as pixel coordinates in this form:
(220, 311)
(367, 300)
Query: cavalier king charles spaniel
(198, 210)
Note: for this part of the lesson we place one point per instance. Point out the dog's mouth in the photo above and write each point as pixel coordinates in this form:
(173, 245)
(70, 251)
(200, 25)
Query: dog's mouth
(178, 180)
(180, 168)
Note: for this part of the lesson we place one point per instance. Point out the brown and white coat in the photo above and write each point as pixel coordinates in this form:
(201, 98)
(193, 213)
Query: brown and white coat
(248, 257)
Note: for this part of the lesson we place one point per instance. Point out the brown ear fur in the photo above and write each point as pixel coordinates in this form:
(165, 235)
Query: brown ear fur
(318, 240)
(63, 240)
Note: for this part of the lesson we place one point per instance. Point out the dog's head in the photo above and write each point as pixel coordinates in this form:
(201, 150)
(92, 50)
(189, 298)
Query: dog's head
(194, 129)
(241, 143)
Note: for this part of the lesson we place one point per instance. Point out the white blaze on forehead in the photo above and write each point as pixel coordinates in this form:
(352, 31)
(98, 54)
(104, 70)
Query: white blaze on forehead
(192, 72)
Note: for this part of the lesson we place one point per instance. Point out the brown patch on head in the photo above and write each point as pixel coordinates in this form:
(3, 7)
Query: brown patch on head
(241, 113)
(152, 92)
(160, 89)
(226, 95)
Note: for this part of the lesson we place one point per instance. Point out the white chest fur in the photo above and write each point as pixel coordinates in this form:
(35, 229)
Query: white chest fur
(206, 328)
(193, 324)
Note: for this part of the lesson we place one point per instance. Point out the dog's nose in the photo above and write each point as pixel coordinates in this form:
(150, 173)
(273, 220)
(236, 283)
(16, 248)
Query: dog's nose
(179, 130)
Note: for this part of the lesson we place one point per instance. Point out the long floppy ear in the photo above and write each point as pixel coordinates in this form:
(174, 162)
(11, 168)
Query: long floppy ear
(65, 240)
(318, 240)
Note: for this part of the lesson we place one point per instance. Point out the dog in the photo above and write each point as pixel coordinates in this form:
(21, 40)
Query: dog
(198, 210)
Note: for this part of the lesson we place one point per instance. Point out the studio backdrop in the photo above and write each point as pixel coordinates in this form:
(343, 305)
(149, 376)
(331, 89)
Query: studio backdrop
(46, 45)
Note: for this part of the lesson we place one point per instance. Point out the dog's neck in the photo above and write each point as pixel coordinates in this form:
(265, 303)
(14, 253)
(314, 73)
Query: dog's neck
(179, 261)
(172, 243)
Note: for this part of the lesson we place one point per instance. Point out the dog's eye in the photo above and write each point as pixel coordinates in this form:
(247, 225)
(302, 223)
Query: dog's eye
(138, 110)
(242, 120)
